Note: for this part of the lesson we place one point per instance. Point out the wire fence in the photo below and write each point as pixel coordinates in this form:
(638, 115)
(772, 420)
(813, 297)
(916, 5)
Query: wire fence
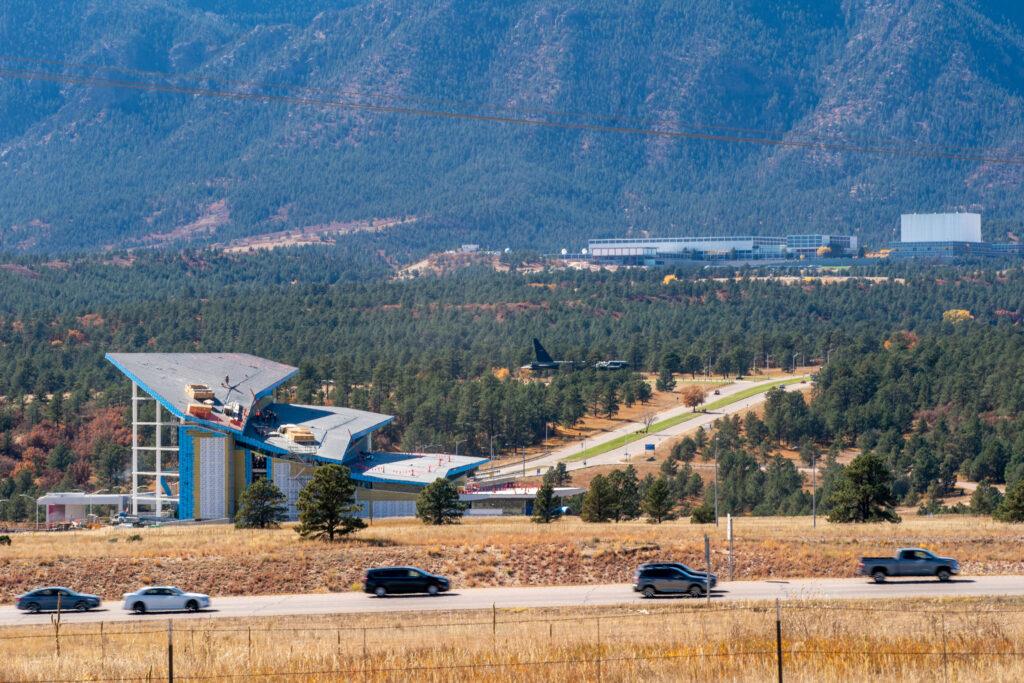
(598, 646)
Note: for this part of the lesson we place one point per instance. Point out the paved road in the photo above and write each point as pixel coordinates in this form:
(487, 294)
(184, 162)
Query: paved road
(636, 449)
(553, 596)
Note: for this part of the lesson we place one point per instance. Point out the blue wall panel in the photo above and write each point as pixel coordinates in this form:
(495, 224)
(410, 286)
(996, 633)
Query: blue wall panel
(186, 481)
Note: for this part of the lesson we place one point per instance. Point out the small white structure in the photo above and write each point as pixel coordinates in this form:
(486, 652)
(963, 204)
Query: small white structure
(511, 500)
(940, 227)
(73, 506)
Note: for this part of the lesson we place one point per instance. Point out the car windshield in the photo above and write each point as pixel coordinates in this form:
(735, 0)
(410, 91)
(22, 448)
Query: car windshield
(174, 591)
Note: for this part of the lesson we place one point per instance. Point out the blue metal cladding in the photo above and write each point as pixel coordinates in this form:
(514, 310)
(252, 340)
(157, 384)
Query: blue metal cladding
(248, 467)
(186, 476)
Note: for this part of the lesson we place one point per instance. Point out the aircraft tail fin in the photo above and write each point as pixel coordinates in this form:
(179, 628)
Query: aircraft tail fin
(542, 355)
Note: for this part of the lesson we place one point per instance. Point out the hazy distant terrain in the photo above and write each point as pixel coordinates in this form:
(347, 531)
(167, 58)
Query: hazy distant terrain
(83, 166)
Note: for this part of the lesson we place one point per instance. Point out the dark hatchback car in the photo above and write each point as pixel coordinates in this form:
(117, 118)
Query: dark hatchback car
(393, 580)
(47, 599)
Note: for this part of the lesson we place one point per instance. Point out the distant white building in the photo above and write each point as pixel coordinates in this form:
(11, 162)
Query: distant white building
(940, 227)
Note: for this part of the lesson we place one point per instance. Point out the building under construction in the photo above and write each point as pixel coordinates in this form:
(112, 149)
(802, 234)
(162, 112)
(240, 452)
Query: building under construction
(205, 425)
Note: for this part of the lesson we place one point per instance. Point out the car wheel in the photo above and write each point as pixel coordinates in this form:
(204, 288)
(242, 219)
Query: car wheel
(139, 607)
(943, 574)
(879, 577)
(81, 606)
(432, 590)
(380, 591)
(695, 591)
(33, 607)
(649, 592)
(192, 606)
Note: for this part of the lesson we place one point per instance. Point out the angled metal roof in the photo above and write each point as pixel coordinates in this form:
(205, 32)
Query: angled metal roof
(234, 377)
(333, 428)
(417, 469)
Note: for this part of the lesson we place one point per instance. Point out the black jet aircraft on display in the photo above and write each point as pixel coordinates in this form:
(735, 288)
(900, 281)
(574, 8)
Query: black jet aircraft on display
(544, 361)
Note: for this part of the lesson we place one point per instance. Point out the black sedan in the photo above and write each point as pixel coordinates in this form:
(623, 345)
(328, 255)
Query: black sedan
(393, 580)
(48, 598)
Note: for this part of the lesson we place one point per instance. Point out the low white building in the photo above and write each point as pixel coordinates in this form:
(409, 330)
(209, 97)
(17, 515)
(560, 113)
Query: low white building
(510, 500)
(940, 227)
(75, 506)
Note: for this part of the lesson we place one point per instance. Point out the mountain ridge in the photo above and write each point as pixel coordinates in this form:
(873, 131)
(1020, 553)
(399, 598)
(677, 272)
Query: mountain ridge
(85, 165)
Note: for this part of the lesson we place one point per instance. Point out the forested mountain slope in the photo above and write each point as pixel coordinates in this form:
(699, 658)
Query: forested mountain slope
(84, 164)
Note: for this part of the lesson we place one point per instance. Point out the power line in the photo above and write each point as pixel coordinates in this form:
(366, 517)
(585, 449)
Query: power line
(393, 95)
(151, 86)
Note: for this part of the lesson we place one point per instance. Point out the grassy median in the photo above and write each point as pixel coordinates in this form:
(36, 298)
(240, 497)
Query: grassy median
(625, 439)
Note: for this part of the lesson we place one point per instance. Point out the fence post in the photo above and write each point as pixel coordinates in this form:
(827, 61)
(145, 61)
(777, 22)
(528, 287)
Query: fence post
(249, 629)
(598, 649)
(778, 636)
(945, 658)
(732, 561)
(170, 651)
(707, 566)
(56, 624)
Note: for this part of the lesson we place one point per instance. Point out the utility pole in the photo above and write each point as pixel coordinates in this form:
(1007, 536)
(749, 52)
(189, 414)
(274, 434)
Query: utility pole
(716, 482)
(814, 490)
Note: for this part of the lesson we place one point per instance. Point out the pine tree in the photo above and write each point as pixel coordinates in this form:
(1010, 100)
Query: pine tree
(986, 499)
(609, 400)
(1012, 507)
(665, 381)
(864, 493)
(261, 505)
(625, 488)
(599, 501)
(326, 504)
(438, 503)
(658, 503)
(544, 503)
(558, 475)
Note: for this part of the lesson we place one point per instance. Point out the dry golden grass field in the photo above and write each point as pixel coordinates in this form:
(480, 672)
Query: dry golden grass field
(510, 551)
(659, 640)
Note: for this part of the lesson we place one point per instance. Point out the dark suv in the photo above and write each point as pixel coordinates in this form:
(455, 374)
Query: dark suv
(657, 579)
(386, 580)
(699, 575)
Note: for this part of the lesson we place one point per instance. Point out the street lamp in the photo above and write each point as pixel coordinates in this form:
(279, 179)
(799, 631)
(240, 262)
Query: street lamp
(716, 482)
(814, 490)
(457, 446)
(493, 436)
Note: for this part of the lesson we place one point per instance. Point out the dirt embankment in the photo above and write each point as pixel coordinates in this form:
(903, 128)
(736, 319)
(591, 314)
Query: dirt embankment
(479, 552)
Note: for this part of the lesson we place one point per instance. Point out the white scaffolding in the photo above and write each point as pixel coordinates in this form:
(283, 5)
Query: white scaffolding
(159, 473)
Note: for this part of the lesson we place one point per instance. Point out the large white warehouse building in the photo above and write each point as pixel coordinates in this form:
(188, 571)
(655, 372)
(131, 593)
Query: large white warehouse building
(940, 227)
